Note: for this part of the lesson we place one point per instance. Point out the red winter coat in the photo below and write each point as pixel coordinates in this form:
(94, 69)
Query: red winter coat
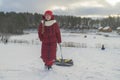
(50, 37)
(51, 33)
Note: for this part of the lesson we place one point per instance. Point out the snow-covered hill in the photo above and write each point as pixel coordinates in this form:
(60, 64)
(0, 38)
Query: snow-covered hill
(22, 61)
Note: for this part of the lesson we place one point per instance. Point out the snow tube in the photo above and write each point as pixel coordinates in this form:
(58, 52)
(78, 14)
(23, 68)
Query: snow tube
(64, 62)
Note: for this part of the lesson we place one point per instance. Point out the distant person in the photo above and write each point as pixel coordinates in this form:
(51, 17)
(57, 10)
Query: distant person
(49, 35)
(103, 47)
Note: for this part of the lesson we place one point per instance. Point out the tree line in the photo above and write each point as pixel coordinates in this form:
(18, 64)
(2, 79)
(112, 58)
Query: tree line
(15, 23)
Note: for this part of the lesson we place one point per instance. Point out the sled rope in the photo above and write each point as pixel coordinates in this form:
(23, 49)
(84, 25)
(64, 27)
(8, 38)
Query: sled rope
(61, 51)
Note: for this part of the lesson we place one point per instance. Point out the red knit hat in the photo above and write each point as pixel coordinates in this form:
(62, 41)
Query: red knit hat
(49, 12)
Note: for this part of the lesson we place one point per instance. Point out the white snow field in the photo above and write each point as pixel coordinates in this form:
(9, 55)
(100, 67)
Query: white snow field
(21, 61)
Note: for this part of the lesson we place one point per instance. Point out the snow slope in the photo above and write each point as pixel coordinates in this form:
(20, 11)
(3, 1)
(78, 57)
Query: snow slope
(22, 61)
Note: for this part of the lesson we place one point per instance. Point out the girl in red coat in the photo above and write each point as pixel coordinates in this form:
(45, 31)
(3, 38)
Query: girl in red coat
(49, 34)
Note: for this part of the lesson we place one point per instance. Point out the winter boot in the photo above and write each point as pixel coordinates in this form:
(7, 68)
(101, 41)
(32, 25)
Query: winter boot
(49, 67)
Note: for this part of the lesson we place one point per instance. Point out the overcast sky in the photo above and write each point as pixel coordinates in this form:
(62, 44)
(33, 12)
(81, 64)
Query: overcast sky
(63, 7)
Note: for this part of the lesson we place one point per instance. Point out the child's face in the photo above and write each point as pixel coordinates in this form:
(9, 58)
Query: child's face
(48, 17)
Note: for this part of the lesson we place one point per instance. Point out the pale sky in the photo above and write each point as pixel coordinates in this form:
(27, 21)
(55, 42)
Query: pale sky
(63, 7)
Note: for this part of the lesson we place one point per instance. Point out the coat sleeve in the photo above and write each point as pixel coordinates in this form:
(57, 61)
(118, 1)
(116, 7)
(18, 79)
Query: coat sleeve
(40, 35)
(58, 34)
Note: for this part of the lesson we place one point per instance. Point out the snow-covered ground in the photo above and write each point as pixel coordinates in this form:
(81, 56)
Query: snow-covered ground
(21, 61)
